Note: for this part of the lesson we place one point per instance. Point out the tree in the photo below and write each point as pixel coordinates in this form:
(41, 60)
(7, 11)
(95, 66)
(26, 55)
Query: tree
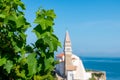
(14, 64)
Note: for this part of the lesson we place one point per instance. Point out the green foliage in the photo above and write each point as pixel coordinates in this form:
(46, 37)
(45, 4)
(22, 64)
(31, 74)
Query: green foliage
(32, 64)
(97, 75)
(92, 77)
(14, 64)
(46, 43)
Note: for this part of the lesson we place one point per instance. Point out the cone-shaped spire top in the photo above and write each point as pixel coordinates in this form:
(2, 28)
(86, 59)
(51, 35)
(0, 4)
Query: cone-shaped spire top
(67, 38)
(67, 43)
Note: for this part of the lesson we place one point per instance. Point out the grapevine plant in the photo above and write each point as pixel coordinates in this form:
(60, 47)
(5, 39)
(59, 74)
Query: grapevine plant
(19, 61)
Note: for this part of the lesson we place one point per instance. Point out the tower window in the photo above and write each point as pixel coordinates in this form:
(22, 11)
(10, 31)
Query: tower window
(68, 49)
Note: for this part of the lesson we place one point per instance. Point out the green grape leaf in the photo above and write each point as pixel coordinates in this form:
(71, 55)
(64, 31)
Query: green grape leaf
(32, 64)
(3, 61)
(51, 14)
(20, 21)
(2, 16)
(23, 36)
(8, 66)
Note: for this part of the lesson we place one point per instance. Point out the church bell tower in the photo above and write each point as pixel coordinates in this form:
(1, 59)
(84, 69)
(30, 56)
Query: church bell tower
(68, 54)
(67, 44)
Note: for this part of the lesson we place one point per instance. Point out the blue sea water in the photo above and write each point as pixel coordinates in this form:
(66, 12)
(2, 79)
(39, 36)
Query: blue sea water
(110, 65)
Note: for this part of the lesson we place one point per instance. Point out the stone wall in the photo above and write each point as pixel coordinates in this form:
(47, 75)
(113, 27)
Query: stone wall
(98, 75)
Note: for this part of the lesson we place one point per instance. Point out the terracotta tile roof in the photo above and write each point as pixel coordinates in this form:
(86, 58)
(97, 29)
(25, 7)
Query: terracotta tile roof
(60, 55)
(71, 68)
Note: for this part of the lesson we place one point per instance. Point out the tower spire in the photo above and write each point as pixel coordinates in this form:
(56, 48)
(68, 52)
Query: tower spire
(67, 53)
(67, 44)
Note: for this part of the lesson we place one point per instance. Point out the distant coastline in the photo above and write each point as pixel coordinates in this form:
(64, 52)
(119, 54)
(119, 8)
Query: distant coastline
(109, 65)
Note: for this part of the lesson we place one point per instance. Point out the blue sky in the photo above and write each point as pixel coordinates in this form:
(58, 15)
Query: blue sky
(93, 25)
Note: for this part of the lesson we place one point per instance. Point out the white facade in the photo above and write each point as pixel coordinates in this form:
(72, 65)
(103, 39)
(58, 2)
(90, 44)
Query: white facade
(71, 65)
(70, 75)
(79, 73)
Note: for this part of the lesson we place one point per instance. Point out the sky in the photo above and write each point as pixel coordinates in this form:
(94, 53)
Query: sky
(93, 25)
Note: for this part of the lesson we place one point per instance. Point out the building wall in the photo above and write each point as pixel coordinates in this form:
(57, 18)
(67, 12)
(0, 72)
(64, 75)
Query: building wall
(102, 74)
(80, 72)
(88, 75)
(70, 75)
(60, 67)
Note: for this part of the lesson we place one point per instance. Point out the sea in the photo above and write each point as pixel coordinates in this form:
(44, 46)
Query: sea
(110, 65)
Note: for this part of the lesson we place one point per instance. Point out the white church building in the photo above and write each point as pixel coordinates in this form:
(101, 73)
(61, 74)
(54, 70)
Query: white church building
(71, 66)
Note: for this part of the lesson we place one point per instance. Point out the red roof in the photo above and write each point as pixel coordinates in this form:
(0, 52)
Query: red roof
(60, 55)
